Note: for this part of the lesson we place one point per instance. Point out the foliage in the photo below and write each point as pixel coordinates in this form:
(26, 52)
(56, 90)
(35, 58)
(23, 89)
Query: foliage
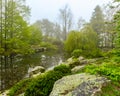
(73, 41)
(108, 90)
(48, 46)
(42, 85)
(14, 35)
(76, 53)
(19, 87)
(110, 53)
(102, 23)
(49, 29)
(97, 20)
(117, 39)
(90, 41)
(36, 35)
(110, 70)
(64, 69)
(116, 59)
(75, 62)
(113, 54)
(85, 40)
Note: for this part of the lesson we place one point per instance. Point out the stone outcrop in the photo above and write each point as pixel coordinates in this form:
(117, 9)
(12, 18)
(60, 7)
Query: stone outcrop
(36, 71)
(78, 85)
(79, 61)
(77, 68)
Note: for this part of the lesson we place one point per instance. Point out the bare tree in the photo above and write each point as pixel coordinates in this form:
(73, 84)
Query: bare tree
(80, 23)
(66, 20)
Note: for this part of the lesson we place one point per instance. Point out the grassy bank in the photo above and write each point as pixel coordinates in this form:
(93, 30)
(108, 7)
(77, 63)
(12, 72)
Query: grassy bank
(43, 84)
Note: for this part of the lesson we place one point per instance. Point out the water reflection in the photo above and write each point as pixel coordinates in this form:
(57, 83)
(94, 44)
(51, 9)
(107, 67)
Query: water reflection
(22, 65)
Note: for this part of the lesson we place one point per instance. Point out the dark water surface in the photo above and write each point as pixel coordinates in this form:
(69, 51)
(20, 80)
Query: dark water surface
(21, 66)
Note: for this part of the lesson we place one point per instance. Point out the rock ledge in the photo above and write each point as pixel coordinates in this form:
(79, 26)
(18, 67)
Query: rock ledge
(79, 85)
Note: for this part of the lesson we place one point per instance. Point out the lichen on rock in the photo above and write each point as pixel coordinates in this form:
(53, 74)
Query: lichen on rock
(78, 85)
(77, 68)
(36, 71)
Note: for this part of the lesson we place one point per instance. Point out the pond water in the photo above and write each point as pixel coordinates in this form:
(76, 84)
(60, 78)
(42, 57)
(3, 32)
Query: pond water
(22, 65)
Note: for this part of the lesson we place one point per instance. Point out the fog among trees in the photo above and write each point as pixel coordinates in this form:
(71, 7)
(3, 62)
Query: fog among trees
(97, 38)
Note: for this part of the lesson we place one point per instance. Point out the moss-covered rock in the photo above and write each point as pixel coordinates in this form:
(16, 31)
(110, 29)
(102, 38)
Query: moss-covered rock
(77, 69)
(73, 62)
(36, 71)
(78, 85)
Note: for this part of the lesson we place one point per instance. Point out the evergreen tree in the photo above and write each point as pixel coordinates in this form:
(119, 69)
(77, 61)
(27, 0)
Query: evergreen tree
(14, 34)
(97, 23)
(97, 20)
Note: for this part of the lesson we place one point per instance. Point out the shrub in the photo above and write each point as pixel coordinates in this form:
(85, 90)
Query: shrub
(19, 87)
(92, 53)
(42, 85)
(48, 45)
(64, 69)
(76, 53)
(74, 63)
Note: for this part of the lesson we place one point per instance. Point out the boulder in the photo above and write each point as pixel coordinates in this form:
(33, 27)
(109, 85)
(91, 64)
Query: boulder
(92, 60)
(5, 93)
(78, 85)
(69, 59)
(77, 68)
(79, 61)
(83, 62)
(74, 63)
(87, 61)
(37, 70)
(21, 94)
(81, 58)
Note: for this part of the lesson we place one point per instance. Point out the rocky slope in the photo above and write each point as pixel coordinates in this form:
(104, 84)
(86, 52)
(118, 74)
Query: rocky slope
(79, 85)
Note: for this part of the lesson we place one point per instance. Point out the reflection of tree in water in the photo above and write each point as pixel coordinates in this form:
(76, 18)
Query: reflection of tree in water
(11, 72)
(17, 68)
(51, 60)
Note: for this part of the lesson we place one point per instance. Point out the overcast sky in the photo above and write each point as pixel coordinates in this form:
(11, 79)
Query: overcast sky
(49, 9)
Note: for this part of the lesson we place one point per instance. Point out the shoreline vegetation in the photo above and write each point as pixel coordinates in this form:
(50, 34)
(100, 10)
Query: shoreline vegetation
(42, 84)
(93, 49)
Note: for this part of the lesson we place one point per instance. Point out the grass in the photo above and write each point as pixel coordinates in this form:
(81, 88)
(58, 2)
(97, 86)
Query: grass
(110, 70)
(112, 89)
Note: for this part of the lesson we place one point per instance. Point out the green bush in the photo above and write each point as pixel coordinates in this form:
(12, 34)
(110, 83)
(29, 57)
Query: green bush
(48, 45)
(19, 87)
(76, 53)
(74, 63)
(42, 85)
(64, 69)
(87, 53)
(92, 53)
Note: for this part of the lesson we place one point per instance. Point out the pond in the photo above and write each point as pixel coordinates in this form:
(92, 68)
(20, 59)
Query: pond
(21, 66)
